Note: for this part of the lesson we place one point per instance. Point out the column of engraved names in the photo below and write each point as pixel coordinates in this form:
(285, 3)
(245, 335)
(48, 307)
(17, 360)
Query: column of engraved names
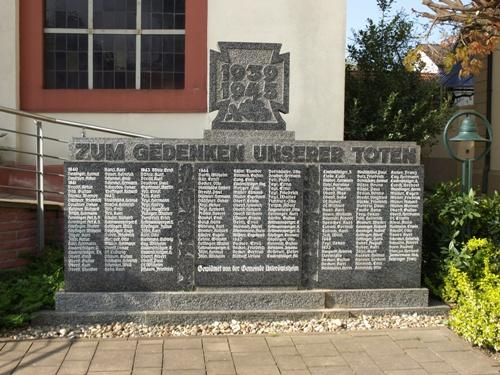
(83, 220)
(283, 229)
(120, 223)
(249, 194)
(337, 220)
(404, 236)
(371, 203)
(157, 240)
(214, 197)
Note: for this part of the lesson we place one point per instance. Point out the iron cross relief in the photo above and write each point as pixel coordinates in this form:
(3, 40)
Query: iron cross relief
(249, 86)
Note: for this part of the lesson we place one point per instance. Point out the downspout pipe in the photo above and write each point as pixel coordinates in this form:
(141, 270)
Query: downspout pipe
(489, 110)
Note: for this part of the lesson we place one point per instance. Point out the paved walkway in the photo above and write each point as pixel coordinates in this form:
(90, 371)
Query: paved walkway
(413, 351)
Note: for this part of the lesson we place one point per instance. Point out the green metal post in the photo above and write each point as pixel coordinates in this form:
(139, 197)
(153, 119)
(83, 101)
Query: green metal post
(466, 176)
(469, 175)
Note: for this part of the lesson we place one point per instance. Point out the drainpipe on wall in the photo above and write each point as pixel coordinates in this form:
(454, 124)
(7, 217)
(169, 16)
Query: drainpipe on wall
(489, 109)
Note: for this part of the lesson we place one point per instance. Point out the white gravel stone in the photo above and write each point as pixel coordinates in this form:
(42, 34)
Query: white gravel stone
(124, 329)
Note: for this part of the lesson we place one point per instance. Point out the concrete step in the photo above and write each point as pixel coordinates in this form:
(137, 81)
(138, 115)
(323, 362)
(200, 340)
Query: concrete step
(199, 317)
(241, 300)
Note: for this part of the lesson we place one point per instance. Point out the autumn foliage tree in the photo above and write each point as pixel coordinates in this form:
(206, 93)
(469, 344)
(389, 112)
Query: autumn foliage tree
(477, 30)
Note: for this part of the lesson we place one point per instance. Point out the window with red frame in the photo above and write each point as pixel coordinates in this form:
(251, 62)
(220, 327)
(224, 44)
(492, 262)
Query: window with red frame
(113, 56)
(114, 44)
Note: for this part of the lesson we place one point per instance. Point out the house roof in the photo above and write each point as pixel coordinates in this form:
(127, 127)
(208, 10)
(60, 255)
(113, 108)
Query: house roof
(453, 80)
(435, 52)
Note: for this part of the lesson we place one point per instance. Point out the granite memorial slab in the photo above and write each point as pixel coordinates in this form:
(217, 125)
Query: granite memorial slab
(176, 214)
(249, 86)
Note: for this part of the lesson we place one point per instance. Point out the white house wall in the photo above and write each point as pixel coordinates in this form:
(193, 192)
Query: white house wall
(430, 66)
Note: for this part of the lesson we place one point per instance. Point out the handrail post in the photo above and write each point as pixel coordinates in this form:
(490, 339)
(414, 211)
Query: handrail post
(39, 186)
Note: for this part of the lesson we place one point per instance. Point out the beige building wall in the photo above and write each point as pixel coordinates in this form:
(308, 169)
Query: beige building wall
(312, 31)
(494, 180)
(9, 73)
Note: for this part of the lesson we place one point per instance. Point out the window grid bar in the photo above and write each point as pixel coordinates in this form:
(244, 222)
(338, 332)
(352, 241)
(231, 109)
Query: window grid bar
(90, 47)
(50, 30)
(138, 25)
(163, 32)
(114, 31)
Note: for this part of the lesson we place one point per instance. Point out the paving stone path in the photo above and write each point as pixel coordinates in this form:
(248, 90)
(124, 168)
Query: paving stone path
(396, 352)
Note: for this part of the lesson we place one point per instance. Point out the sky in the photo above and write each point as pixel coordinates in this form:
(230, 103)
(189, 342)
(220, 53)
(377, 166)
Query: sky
(359, 10)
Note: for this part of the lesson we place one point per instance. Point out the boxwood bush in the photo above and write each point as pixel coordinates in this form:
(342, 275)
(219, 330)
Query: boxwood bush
(472, 284)
(461, 260)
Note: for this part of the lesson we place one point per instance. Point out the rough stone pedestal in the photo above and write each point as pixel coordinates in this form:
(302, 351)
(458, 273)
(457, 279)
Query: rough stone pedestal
(205, 306)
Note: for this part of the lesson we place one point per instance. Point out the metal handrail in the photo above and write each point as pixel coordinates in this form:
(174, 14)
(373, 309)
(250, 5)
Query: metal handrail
(29, 189)
(74, 124)
(30, 171)
(39, 171)
(34, 135)
(8, 149)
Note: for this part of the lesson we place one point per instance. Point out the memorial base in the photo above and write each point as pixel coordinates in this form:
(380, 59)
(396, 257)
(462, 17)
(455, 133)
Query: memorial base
(205, 306)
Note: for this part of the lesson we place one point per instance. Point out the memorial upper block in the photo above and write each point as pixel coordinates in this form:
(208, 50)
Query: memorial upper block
(249, 86)
(229, 211)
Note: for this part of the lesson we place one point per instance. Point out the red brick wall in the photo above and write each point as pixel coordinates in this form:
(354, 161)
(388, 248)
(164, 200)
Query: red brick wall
(27, 180)
(18, 231)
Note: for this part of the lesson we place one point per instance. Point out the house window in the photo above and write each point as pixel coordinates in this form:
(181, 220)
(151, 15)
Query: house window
(113, 55)
(114, 44)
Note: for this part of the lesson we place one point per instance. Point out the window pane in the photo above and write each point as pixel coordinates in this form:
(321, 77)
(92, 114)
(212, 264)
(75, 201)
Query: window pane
(115, 14)
(66, 13)
(162, 62)
(163, 14)
(114, 61)
(65, 61)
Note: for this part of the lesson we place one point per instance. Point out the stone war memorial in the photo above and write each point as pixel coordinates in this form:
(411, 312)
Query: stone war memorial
(244, 223)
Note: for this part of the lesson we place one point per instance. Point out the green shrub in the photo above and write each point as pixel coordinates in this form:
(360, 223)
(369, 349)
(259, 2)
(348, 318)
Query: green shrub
(476, 256)
(489, 210)
(30, 289)
(450, 220)
(476, 315)
(478, 260)
(461, 260)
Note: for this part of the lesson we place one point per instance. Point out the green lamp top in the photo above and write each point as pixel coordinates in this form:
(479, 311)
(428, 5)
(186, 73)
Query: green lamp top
(468, 132)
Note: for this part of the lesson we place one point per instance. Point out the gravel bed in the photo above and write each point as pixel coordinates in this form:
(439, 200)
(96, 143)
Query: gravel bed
(126, 330)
